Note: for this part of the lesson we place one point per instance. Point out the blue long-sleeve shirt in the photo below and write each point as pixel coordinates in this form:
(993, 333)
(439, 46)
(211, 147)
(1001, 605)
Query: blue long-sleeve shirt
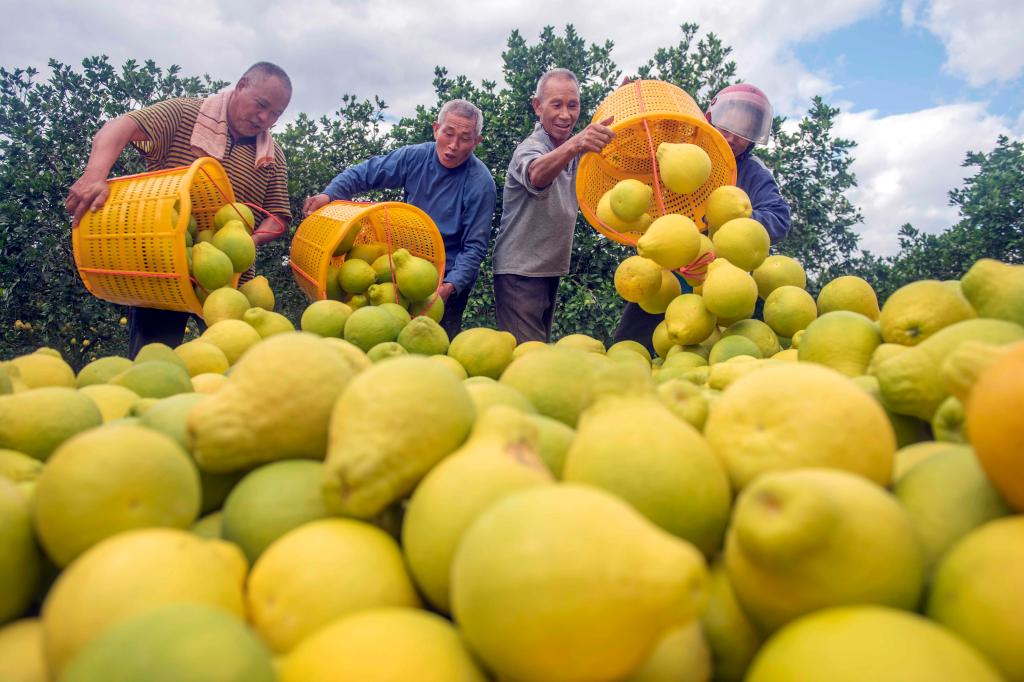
(770, 209)
(460, 201)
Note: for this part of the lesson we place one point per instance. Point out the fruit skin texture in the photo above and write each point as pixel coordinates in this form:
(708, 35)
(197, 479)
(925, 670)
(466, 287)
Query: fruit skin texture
(635, 448)
(724, 204)
(299, 376)
(978, 593)
(683, 167)
(917, 310)
(19, 559)
(175, 643)
(671, 241)
(482, 351)
(809, 539)
(995, 427)
(743, 242)
(842, 340)
(858, 643)
(567, 583)
(321, 571)
(126, 574)
(911, 382)
(393, 423)
(637, 278)
(996, 289)
(383, 644)
(500, 457)
(786, 416)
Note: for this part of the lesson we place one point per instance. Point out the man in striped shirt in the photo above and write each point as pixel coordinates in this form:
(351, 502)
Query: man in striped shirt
(163, 134)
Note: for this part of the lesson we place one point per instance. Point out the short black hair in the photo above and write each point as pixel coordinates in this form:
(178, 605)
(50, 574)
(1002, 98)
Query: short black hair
(265, 70)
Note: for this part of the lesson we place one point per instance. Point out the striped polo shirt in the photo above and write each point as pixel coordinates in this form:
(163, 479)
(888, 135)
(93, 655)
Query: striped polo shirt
(169, 127)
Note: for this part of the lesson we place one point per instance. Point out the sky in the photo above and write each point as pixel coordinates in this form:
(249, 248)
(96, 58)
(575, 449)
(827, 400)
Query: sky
(919, 83)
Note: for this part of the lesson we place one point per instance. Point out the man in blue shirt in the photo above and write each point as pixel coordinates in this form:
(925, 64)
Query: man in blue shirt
(446, 181)
(743, 114)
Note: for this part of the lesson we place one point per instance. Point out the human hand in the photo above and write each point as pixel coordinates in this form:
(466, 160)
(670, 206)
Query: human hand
(594, 137)
(445, 290)
(89, 193)
(315, 202)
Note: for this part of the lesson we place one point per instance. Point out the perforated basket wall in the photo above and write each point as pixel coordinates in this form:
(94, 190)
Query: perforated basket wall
(391, 222)
(670, 115)
(129, 252)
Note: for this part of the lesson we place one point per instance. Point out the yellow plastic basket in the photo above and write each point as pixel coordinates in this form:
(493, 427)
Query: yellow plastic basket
(129, 252)
(394, 223)
(647, 113)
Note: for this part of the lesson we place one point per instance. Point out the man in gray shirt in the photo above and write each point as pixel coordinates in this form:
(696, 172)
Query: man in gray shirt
(539, 209)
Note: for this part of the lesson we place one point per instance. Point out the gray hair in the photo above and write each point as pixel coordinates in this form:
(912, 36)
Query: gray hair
(261, 70)
(555, 73)
(466, 109)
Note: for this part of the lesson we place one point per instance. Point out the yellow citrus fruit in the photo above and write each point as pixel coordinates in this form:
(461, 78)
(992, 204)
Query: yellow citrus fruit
(208, 382)
(848, 293)
(671, 241)
(202, 357)
(637, 278)
(321, 571)
(808, 539)
(451, 364)
(236, 211)
(855, 643)
(259, 293)
(732, 638)
(978, 592)
(916, 311)
(113, 401)
(724, 204)
(130, 573)
(688, 321)
(658, 302)
(482, 351)
(267, 323)
(660, 339)
(156, 378)
(36, 421)
(743, 242)
(785, 416)
(757, 331)
(557, 381)
(370, 325)
(225, 304)
(607, 215)
(21, 651)
(587, 344)
(778, 271)
(681, 655)
(683, 167)
(994, 426)
(788, 309)
(629, 198)
(237, 244)
(38, 370)
(102, 370)
(729, 292)
(109, 480)
(842, 340)
(424, 336)
(20, 561)
(326, 318)
(356, 275)
(233, 337)
(382, 644)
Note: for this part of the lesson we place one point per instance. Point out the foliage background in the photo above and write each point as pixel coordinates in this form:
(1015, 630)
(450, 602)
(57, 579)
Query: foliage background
(46, 126)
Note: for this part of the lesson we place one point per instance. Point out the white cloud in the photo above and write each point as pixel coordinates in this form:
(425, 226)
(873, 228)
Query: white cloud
(906, 164)
(981, 37)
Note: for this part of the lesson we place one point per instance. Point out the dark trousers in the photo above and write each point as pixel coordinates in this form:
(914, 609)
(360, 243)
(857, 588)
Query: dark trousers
(454, 307)
(525, 306)
(149, 325)
(637, 325)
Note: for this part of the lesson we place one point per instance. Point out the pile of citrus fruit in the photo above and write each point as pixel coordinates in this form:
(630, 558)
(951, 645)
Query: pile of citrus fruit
(835, 492)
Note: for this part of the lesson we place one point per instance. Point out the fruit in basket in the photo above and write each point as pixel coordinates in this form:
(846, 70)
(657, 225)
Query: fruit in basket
(237, 244)
(743, 242)
(382, 268)
(609, 217)
(629, 199)
(724, 204)
(637, 278)
(236, 211)
(259, 293)
(211, 267)
(511, 571)
(367, 252)
(356, 275)
(671, 241)
(416, 277)
(683, 167)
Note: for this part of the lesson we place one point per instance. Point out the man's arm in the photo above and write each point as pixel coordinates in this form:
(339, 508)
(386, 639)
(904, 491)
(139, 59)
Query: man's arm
(381, 172)
(90, 190)
(770, 208)
(477, 231)
(544, 169)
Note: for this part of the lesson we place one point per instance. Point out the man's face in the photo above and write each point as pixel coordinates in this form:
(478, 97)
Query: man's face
(736, 143)
(256, 105)
(456, 139)
(558, 108)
